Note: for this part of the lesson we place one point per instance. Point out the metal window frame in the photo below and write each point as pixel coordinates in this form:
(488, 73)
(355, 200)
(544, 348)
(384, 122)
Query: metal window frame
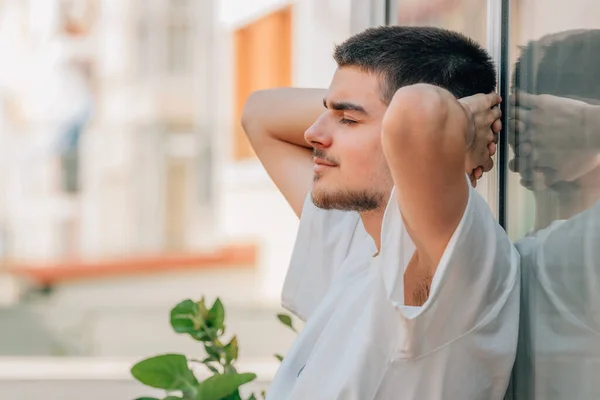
(498, 33)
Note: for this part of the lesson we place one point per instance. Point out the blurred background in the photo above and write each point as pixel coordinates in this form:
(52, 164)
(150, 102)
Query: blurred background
(127, 184)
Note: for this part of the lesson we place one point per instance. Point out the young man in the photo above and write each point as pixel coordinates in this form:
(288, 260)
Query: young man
(555, 134)
(408, 286)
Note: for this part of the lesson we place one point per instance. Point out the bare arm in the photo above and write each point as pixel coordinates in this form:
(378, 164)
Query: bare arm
(275, 121)
(430, 141)
(553, 122)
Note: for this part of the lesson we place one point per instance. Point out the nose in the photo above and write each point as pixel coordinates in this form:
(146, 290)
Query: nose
(317, 135)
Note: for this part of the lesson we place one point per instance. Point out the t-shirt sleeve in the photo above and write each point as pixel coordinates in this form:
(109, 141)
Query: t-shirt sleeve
(322, 244)
(562, 264)
(476, 278)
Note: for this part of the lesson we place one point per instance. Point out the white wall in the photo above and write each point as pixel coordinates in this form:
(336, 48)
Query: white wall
(236, 13)
(318, 26)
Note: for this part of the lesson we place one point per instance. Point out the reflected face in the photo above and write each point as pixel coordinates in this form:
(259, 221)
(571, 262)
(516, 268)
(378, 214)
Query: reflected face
(350, 171)
(559, 170)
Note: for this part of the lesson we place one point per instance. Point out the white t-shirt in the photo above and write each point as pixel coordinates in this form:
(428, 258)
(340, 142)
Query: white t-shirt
(361, 343)
(559, 340)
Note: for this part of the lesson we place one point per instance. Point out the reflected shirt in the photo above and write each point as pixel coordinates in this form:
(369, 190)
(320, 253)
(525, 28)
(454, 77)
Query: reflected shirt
(361, 342)
(559, 340)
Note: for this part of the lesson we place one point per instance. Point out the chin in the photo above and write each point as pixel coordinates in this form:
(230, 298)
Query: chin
(564, 186)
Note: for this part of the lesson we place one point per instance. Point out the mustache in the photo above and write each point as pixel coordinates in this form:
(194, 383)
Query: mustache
(319, 153)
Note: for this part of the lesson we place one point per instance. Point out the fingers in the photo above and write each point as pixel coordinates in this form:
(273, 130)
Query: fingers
(493, 99)
(523, 115)
(519, 132)
(496, 127)
(519, 165)
(524, 149)
(473, 181)
(481, 102)
(523, 99)
(494, 115)
(524, 158)
(487, 166)
(478, 173)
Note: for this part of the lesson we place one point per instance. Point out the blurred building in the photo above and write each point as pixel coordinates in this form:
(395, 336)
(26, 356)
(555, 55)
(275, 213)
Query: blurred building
(128, 184)
(121, 120)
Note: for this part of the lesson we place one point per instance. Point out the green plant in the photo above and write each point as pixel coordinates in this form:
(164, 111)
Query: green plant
(286, 320)
(172, 372)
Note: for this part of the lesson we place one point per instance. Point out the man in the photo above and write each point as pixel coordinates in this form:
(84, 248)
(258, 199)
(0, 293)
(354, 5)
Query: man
(408, 286)
(555, 133)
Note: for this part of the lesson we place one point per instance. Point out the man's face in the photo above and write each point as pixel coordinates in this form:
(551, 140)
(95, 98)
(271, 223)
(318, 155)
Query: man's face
(350, 171)
(561, 171)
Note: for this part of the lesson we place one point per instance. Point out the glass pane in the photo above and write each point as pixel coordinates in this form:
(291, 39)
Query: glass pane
(553, 195)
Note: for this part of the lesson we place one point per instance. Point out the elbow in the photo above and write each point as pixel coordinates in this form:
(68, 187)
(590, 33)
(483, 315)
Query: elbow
(415, 117)
(251, 113)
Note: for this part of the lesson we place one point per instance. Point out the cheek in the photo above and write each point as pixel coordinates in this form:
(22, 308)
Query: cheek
(365, 160)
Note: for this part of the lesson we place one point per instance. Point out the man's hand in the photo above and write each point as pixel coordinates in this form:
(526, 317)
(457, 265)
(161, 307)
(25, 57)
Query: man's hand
(484, 115)
(550, 137)
(548, 122)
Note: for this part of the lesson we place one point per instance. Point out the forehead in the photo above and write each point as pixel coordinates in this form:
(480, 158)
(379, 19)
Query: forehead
(353, 85)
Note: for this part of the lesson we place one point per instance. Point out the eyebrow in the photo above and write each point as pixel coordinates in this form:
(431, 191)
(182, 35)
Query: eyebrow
(343, 106)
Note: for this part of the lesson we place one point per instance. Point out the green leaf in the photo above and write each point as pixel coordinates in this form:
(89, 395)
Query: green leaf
(212, 368)
(234, 396)
(218, 386)
(230, 369)
(202, 310)
(287, 321)
(279, 357)
(173, 398)
(168, 371)
(147, 398)
(216, 315)
(213, 352)
(201, 336)
(186, 318)
(231, 350)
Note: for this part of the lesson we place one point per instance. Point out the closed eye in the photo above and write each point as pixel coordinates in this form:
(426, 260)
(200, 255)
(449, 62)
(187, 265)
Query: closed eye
(346, 121)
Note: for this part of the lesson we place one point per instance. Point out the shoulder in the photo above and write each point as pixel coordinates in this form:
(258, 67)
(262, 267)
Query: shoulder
(324, 242)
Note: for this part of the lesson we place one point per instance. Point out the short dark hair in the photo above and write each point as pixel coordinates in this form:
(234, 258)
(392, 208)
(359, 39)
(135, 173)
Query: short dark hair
(403, 56)
(565, 64)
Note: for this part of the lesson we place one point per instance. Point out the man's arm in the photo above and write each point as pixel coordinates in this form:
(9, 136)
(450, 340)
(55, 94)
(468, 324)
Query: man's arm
(430, 140)
(275, 121)
(553, 122)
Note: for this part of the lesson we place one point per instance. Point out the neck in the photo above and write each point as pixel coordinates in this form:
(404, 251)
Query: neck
(372, 221)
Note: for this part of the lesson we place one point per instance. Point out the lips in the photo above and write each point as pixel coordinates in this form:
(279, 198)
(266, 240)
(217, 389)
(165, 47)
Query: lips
(320, 161)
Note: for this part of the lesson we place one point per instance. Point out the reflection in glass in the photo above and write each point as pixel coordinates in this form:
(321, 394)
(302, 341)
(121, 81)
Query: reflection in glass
(554, 131)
